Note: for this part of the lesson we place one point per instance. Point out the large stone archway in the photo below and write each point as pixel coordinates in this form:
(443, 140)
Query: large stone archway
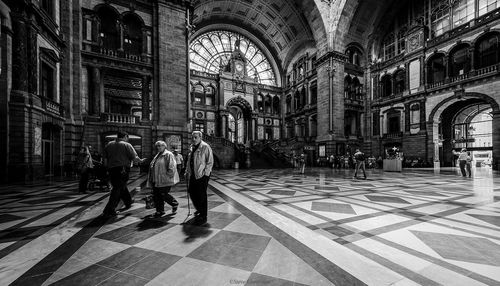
(443, 114)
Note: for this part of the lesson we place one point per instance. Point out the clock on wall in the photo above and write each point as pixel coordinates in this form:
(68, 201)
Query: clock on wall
(238, 67)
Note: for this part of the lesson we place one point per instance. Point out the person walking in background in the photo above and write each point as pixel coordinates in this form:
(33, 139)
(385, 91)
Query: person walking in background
(468, 164)
(179, 161)
(85, 165)
(118, 157)
(200, 162)
(462, 160)
(360, 163)
(162, 176)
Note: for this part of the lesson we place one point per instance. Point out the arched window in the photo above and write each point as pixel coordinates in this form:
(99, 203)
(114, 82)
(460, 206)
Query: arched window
(260, 103)
(459, 60)
(436, 69)
(296, 101)
(108, 28)
(199, 94)
(393, 121)
(463, 12)
(487, 51)
(440, 19)
(288, 104)
(276, 105)
(303, 97)
(354, 55)
(399, 81)
(210, 96)
(389, 47)
(268, 104)
(356, 89)
(402, 40)
(486, 6)
(132, 34)
(211, 50)
(386, 86)
(347, 86)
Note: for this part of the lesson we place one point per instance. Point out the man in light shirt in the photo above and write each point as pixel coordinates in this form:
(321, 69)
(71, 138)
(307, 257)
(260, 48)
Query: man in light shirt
(462, 160)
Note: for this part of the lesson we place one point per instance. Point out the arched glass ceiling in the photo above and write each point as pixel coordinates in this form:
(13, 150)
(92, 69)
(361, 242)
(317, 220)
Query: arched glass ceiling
(212, 49)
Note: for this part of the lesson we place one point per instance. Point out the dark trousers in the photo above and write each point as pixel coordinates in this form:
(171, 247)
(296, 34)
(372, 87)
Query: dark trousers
(360, 165)
(198, 193)
(462, 164)
(84, 179)
(161, 195)
(468, 168)
(118, 177)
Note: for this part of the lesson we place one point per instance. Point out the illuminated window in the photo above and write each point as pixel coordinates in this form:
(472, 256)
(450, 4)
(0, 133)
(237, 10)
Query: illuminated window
(486, 6)
(463, 12)
(389, 47)
(212, 50)
(440, 20)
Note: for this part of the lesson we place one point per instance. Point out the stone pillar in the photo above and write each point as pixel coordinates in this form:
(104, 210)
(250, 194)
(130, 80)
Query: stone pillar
(224, 126)
(496, 140)
(19, 52)
(407, 114)
(144, 48)
(5, 79)
(120, 30)
(145, 97)
(173, 74)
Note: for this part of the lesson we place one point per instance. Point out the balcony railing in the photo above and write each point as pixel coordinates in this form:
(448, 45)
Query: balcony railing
(393, 135)
(119, 118)
(120, 54)
(494, 69)
(52, 106)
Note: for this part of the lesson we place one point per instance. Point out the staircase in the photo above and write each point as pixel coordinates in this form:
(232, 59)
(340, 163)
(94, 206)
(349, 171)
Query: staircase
(224, 151)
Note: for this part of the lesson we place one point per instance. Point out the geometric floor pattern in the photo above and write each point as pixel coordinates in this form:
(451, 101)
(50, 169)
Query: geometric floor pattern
(266, 227)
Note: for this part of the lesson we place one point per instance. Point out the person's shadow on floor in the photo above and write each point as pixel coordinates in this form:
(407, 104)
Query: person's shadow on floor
(193, 231)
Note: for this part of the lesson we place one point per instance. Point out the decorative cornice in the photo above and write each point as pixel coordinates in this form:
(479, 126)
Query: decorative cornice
(336, 56)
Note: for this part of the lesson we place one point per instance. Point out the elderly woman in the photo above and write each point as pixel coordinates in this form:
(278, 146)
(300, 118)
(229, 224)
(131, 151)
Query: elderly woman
(161, 177)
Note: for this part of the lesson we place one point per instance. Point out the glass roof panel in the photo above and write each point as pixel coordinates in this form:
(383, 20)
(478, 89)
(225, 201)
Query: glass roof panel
(211, 50)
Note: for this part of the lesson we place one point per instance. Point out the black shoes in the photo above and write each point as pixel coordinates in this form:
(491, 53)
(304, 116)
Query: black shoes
(158, 214)
(200, 221)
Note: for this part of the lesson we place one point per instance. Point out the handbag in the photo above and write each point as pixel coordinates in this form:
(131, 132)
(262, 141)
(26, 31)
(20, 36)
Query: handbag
(150, 203)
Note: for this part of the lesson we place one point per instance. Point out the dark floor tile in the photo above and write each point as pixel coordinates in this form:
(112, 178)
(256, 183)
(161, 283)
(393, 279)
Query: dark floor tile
(210, 252)
(332, 207)
(254, 242)
(90, 276)
(46, 200)
(338, 231)
(32, 280)
(21, 233)
(386, 199)
(259, 279)
(152, 265)
(123, 279)
(125, 258)
(9, 217)
(116, 233)
(281, 193)
(240, 257)
(140, 235)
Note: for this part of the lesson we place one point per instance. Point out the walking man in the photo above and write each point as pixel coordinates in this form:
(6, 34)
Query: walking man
(360, 163)
(462, 160)
(200, 162)
(118, 157)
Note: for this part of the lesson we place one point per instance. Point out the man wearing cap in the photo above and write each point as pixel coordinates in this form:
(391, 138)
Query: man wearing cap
(462, 160)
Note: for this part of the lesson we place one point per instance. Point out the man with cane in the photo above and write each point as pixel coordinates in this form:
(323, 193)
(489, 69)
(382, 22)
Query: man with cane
(199, 167)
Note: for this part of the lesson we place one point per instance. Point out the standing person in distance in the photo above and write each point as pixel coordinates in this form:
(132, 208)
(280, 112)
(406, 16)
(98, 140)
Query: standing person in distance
(462, 160)
(360, 163)
(162, 177)
(199, 167)
(118, 157)
(179, 161)
(468, 164)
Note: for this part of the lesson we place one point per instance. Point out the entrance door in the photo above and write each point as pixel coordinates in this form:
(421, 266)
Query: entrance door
(48, 149)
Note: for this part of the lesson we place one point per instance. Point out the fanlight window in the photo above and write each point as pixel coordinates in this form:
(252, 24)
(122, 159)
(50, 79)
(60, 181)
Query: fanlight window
(212, 50)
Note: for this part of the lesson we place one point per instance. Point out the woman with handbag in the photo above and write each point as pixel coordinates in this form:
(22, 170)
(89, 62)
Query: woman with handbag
(161, 177)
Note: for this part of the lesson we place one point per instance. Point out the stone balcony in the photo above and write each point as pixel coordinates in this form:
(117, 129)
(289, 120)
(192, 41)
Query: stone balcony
(119, 118)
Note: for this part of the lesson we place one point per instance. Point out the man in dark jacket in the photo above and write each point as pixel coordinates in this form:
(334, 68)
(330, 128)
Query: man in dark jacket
(360, 163)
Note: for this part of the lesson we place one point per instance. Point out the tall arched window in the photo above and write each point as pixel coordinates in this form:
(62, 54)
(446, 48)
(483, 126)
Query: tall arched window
(440, 19)
(268, 104)
(487, 51)
(276, 105)
(389, 47)
(288, 104)
(463, 12)
(354, 55)
(132, 34)
(210, 96)
(436, 69)
(386, 85)
(402, 40)
(199, 94)
(347, 86)
(356, 88)
(260, 103)
(460, 60)
(486, 6)
(108, 28)
(399, 81)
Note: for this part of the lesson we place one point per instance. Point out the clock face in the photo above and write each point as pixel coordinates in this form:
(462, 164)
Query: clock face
(239, 67)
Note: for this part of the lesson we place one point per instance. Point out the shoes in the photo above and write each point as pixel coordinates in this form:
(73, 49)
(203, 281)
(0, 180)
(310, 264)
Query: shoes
(196, 213)
(200, 221)
(158, 214)
(174, 209)
(108, 215)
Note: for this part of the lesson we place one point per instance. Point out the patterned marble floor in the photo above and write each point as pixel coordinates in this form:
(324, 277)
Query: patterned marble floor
(266, 227)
